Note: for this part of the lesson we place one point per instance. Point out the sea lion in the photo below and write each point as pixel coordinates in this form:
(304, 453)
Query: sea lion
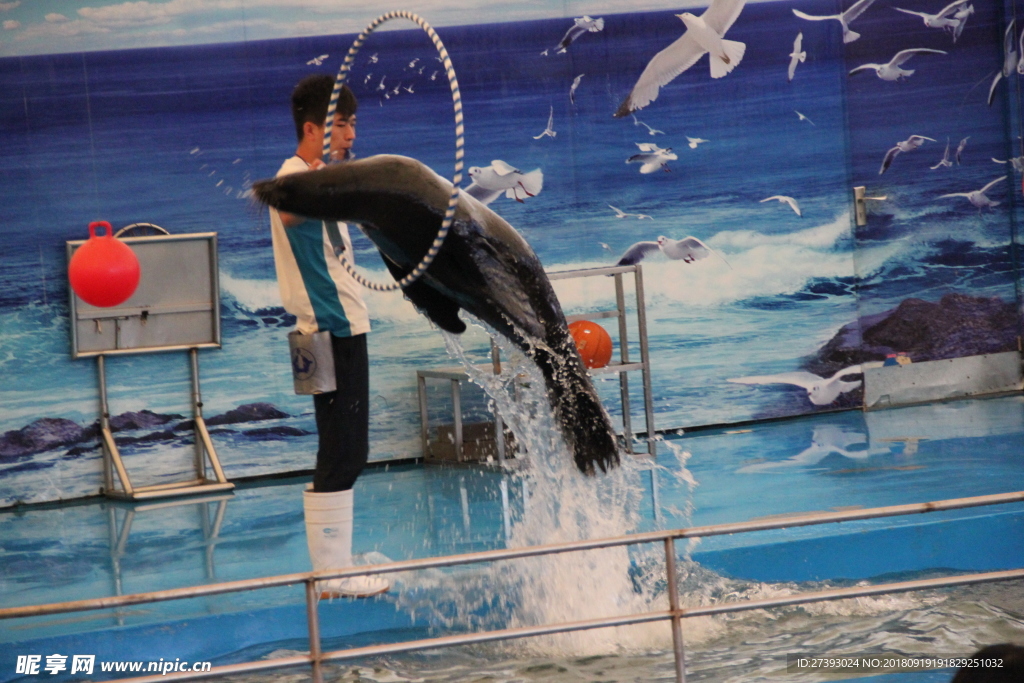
(484, 267)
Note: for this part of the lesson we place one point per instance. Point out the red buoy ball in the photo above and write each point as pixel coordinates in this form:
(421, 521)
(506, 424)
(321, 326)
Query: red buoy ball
(104, 271)
(593, 343)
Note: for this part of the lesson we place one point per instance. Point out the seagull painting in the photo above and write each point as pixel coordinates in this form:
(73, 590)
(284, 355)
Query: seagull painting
(961, 16)
(652, 158)
(802, 117)
(1011, 60)
(491, 181)
(785, 200)
(550, 130)
(373, 58)
(820, 390)
(381, 86)
(978, 197)
(619, 213)
(408, 88)
(891, 71)
(650, 131)
(688, 250)
(945, 162)
(943, 20)
(908, 145)
(960, 148)
(856, 9)
(1016, 162)
(572, 88)
(797, 56)
(317, 61)
(580, 26)
(704, 34)
(693, 142)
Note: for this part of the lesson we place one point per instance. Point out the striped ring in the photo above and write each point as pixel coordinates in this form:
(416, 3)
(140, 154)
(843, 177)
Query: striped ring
(453, 200)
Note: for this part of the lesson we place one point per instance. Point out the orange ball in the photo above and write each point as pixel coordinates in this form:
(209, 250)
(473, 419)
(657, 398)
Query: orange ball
(593, 343)
(104, 271)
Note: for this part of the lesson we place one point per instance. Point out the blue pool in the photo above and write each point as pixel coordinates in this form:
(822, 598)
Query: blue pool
(824, 462)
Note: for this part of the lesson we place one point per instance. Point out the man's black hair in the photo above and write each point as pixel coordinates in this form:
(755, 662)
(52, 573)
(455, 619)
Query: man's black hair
(312, 96)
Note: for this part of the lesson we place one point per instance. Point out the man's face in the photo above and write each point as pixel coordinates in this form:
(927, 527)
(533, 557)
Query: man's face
(343, 134)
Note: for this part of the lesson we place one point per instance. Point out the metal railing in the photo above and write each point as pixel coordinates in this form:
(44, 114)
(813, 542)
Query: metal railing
(675, 613)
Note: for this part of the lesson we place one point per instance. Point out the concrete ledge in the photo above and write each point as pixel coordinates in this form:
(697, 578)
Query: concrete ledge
(942, 379)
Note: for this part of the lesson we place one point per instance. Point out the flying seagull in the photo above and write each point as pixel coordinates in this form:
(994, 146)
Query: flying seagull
(961, 16)
(785, 200)
(693, 142)
(945, 162)
(317, 61)
(960, 148)
(908, 145)
(891, 71)
(1011, 60)
(572, 88)
(490, 181)
(797, 56)
(549, 131)
(650, 131)
(652, 157)
(820, 390)
(1017, 162)
(978, 197)
(844, 18)
(580, 26)
(802, 117)
(619, 213)
(944, 19)
(687, 250)
(703, 34)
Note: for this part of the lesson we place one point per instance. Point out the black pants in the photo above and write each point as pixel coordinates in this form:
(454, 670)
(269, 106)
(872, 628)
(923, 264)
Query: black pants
(343, 418)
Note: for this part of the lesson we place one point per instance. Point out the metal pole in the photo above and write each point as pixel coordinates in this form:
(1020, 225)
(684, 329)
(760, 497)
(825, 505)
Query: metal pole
(313, 620)
(645, 358)
(108, 465)
(457, 423)
(199, 458)
(627, 411)
(673, 606)
(421, 394)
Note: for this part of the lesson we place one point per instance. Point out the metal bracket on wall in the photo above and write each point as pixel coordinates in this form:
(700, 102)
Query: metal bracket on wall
(860, 208)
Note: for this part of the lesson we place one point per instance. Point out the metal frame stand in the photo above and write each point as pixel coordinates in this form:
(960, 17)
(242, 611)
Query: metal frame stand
(204, 451)
(623, 366)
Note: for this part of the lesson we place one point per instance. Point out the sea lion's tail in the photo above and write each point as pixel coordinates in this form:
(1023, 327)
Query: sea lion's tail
(584, 421)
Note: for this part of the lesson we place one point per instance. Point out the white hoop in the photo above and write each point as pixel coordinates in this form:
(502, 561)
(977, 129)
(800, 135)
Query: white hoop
(453, 201)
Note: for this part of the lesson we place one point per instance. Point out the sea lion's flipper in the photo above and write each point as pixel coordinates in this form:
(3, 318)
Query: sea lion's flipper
(441, 310)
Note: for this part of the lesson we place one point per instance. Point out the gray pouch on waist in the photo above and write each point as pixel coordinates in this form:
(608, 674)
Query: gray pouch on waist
(312, 362)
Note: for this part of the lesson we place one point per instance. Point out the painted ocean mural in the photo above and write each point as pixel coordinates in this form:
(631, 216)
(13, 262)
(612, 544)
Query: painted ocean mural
(174, 136)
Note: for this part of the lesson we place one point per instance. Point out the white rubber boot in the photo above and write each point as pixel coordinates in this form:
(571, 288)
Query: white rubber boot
(329, 536)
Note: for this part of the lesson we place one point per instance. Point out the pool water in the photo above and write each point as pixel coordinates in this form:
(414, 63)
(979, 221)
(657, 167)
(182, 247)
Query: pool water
(823, 462)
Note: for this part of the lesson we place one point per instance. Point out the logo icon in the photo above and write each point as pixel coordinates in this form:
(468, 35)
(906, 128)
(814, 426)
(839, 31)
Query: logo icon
(303, 364)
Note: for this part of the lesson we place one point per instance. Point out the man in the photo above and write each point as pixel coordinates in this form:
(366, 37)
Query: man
(323, 297)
